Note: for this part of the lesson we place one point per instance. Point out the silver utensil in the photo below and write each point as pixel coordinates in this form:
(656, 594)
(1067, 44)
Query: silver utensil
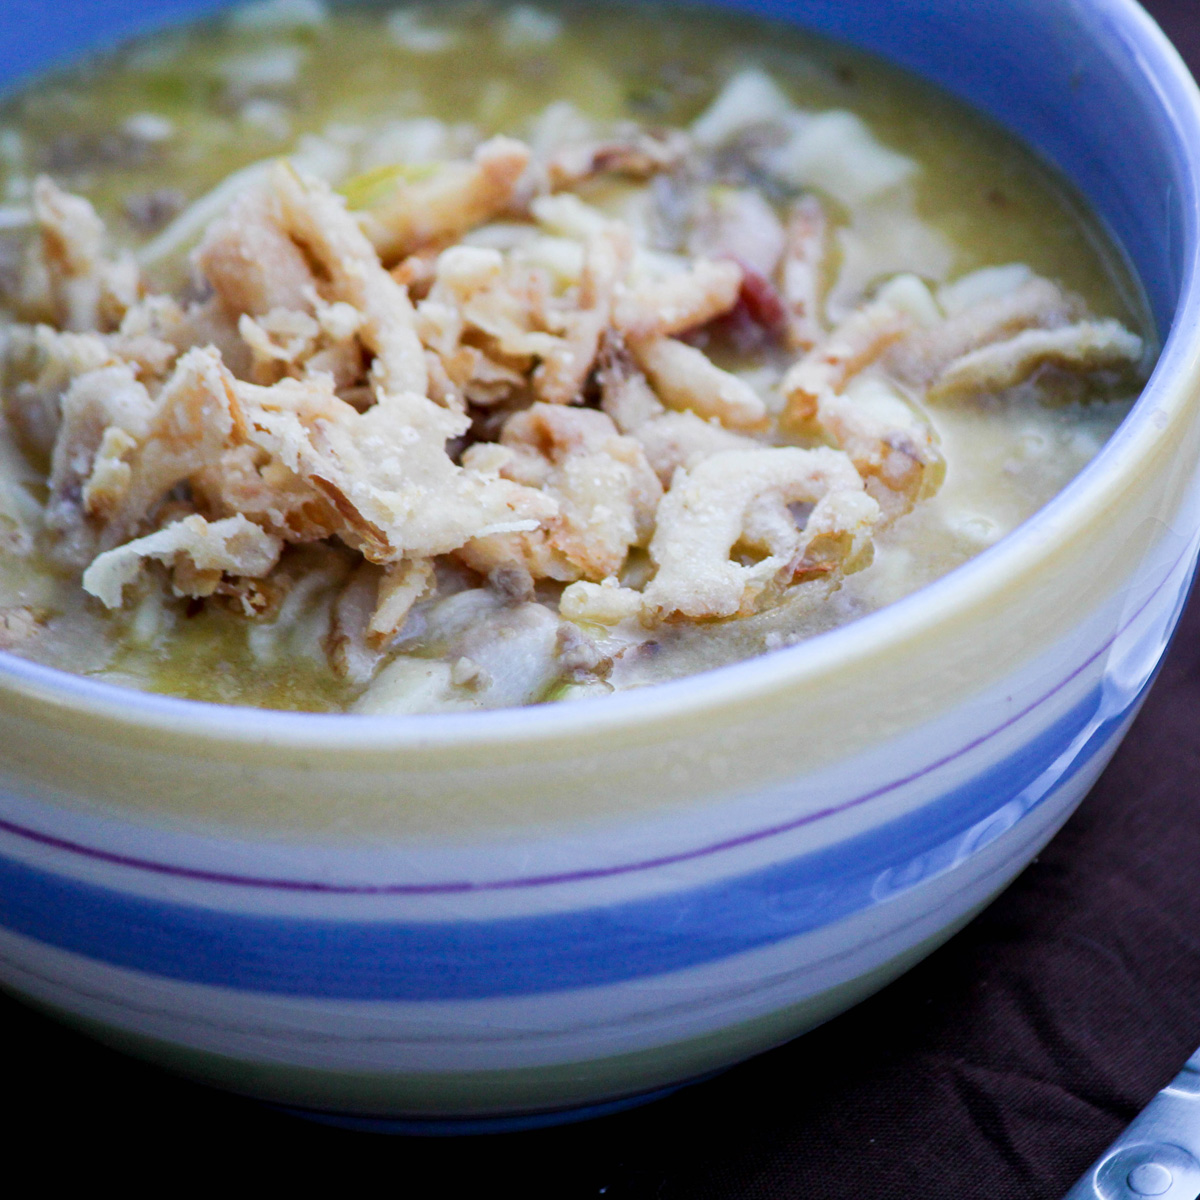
(1159, 1154)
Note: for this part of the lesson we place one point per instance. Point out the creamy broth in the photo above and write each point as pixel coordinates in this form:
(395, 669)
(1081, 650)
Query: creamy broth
(151, 134)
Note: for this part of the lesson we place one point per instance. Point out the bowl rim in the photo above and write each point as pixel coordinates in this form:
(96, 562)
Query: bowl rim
(1148, 422)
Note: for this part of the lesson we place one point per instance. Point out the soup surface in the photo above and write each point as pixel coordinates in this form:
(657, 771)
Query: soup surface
(455, 357)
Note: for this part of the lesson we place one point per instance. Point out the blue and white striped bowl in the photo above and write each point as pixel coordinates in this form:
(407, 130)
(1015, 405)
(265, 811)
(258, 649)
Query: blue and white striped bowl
(491, 920)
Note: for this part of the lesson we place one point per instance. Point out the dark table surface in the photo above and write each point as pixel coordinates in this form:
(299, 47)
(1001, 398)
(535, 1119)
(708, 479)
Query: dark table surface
(997, 1069)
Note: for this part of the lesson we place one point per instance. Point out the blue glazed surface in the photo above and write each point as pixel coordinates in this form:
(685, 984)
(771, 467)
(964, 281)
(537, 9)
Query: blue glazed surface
(374, 960)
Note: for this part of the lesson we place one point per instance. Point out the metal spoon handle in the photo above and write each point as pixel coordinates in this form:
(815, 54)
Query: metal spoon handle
(1159, 1154)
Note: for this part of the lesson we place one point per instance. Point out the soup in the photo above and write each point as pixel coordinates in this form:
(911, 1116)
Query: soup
(338, 377)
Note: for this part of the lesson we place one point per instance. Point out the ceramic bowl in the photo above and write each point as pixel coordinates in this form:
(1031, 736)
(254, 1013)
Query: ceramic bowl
(487, 920)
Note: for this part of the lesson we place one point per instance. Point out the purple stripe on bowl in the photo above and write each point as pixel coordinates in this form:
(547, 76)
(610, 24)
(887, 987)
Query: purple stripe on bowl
(586, 874)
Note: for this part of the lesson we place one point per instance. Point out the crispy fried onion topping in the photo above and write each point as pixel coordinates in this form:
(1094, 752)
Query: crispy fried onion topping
(291, 265)
(462, 372)
(391, 489)
(605, 491)
(496, 326)
(861, 385)
(201, 554)
(84, 287)
(888, 440)
(405, 208)
(736, 503)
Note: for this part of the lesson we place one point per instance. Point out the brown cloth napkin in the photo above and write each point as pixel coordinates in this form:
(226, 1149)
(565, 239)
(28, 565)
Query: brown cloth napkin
(997, 1070)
